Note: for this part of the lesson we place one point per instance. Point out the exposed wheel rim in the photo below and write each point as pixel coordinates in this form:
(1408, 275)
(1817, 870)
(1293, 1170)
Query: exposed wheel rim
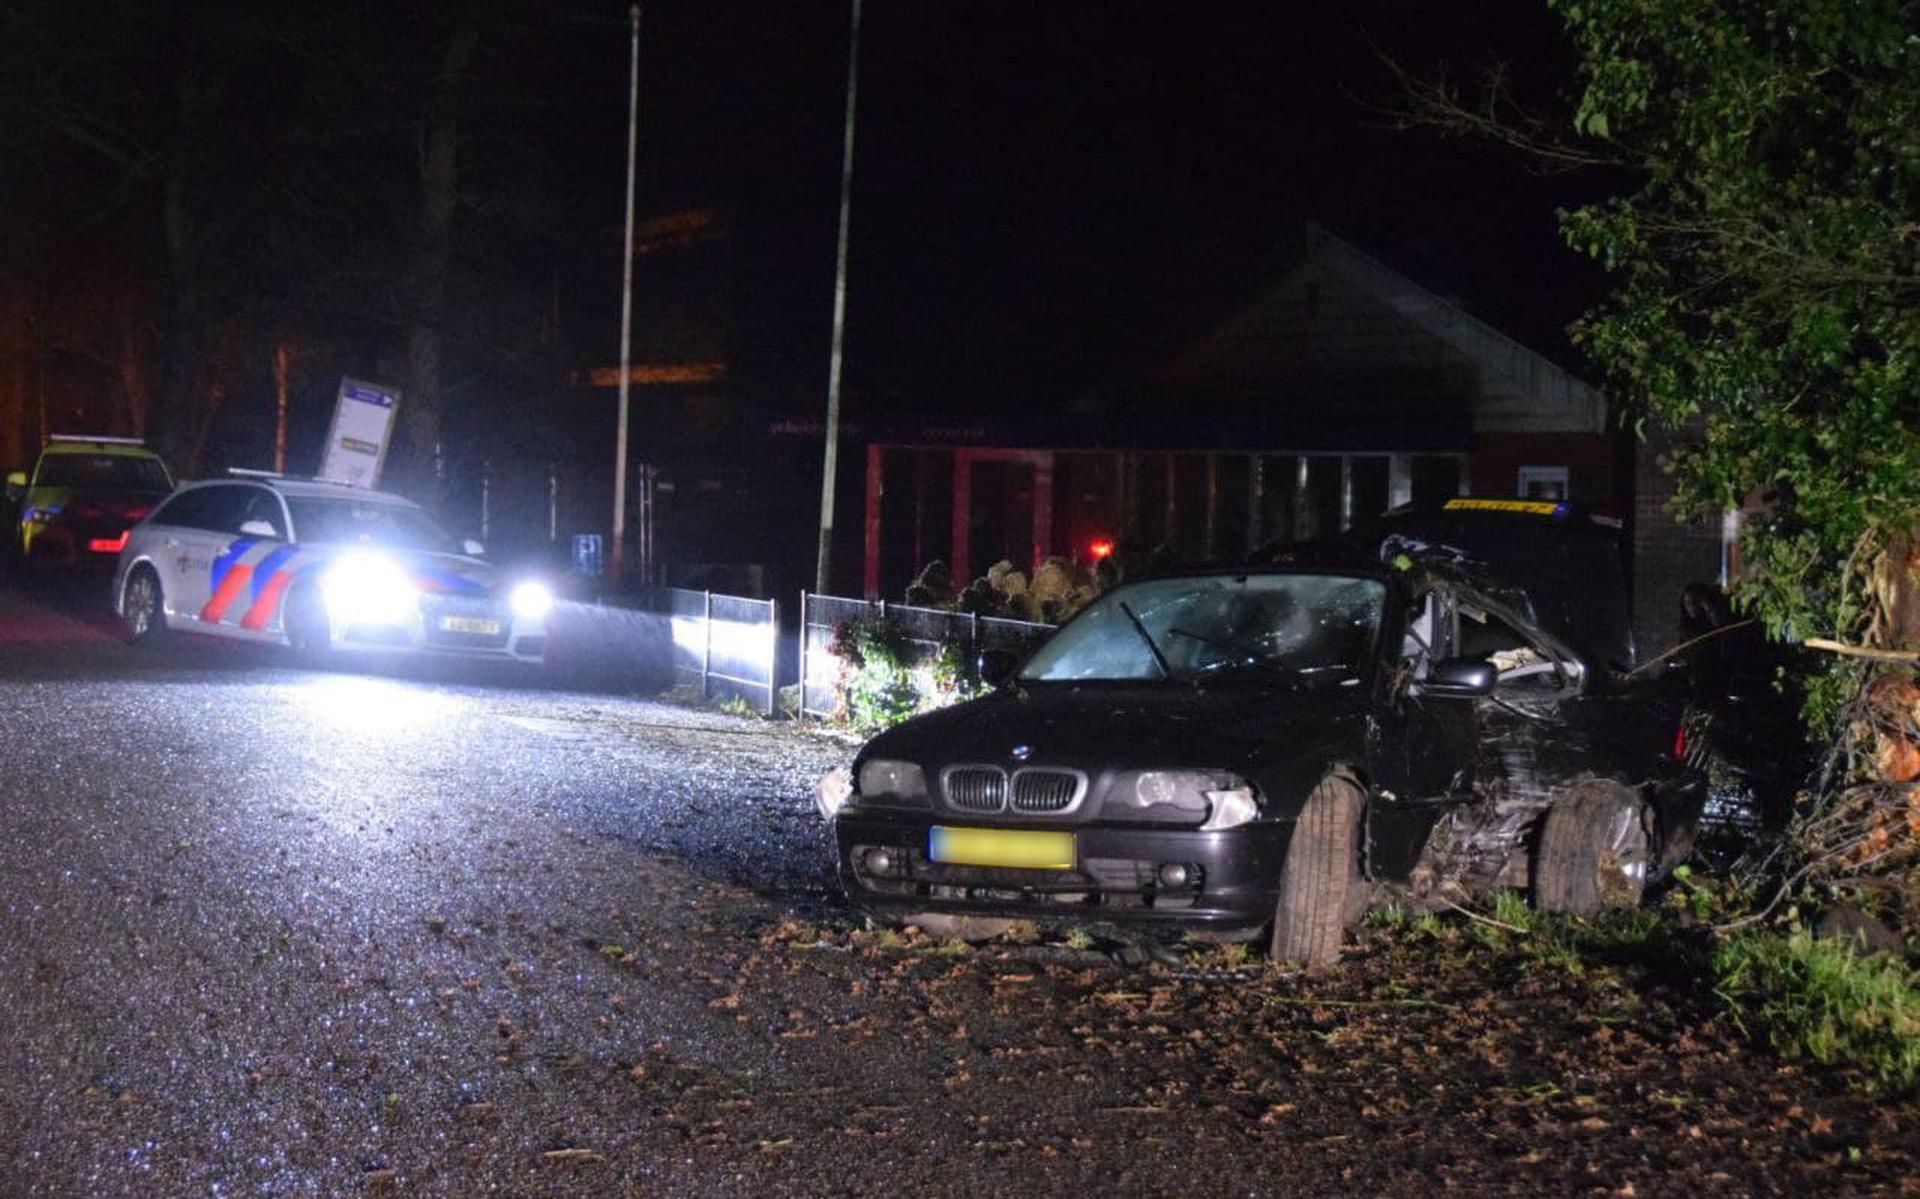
(140, 605)
(1625, 853)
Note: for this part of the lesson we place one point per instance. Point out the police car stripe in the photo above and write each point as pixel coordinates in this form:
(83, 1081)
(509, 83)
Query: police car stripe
(446, 580)
(266, 599)
(229, 557)
(264, 570)
(236, 579)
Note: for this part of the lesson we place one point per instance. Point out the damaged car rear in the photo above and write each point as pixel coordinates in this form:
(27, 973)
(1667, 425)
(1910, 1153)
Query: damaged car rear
(1267, 752)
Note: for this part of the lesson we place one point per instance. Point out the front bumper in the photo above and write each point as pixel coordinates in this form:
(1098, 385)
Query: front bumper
(1115, 879)
(454, 628)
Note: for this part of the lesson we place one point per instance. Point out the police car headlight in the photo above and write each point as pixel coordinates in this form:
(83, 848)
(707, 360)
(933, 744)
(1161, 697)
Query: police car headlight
(531, 601)
(364, 588)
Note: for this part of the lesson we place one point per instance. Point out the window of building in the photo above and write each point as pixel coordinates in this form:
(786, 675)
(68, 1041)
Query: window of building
(1543, 482)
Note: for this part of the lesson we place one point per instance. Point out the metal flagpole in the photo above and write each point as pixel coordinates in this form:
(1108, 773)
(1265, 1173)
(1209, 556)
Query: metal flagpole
(626, 310)
(825, 559)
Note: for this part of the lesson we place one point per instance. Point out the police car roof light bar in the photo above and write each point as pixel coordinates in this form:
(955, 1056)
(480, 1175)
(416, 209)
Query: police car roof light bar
(249, 473)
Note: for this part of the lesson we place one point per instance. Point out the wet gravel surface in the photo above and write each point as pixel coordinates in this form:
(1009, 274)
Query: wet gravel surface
(271, 932)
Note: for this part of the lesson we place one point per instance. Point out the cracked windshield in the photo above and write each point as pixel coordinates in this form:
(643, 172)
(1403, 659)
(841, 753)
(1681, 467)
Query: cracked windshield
(1300, 629)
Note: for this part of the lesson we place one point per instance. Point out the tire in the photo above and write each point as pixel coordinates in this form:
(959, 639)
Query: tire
(143, 609)
(1594, 851)
(309, 634)
(1320, 885)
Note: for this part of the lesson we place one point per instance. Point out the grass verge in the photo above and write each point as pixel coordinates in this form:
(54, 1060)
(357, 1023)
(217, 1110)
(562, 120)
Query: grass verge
(1825, 1001)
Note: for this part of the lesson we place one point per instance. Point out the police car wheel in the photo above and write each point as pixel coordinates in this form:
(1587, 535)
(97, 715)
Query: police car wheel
(308, 633)
(143, 608)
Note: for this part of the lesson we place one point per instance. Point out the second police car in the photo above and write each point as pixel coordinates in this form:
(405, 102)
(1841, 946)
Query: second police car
(319, 566)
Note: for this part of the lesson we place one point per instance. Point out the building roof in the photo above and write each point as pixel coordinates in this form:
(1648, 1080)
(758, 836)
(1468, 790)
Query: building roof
(1267, 347)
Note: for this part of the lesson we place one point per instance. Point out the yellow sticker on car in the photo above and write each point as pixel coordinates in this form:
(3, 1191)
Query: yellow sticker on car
(1531, 507)
(1026, 849)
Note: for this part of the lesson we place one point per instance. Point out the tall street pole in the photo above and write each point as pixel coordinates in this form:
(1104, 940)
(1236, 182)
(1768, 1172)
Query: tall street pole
(626, 310)
(824, 562)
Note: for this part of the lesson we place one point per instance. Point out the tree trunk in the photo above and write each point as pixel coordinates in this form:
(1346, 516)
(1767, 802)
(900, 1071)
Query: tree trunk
(174, 425)
(421, 405)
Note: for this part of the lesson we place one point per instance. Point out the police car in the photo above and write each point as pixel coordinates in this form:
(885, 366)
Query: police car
(74, 507)
(319, 566)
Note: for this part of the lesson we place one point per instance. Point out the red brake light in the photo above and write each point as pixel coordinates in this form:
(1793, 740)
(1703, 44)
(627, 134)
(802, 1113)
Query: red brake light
(1680, 744)
(1101, 547)
(108, 545)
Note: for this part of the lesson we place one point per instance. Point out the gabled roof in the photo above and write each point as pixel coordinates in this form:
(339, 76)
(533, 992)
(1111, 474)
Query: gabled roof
(1516, 389)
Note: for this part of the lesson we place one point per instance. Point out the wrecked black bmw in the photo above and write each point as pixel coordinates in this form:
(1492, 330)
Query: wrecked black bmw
(1227, 753)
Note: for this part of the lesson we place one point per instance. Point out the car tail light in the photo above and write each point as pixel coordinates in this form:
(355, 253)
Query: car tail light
(1680, 743)
(108, 545)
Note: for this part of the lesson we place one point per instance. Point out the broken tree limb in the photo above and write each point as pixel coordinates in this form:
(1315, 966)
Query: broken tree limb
(1687, 645)
(1470, 914)
(1861, 651)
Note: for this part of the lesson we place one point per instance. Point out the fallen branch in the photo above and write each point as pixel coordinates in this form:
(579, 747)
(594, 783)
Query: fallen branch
(1684, 646)
(1296, 1001)
(1861, 651)
(1473, 915)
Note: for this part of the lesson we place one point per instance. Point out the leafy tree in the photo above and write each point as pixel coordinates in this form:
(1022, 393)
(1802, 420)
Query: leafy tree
(1765, 249)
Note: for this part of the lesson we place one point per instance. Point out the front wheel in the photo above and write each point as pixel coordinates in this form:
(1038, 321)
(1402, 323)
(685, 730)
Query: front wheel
(1320, 883)
(1595, 850)
(143, 609)
(309, 633)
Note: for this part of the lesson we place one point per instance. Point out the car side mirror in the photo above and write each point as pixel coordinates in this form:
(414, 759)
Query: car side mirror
(472, 548)
(1458, 678)
(258, 528)
(16, 484)
(996, 667)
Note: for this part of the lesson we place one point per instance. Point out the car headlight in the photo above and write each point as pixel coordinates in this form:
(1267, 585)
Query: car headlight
(1230, 807)
(885, 782)
(367, 588)
(531, 600)
(833, 791)
(1215, 800)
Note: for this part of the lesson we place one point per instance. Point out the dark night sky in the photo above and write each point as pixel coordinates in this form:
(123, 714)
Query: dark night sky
(1043, 189)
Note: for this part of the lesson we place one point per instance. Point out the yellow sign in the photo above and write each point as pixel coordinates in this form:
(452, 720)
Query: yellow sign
(1027, 849)
(1532, 507)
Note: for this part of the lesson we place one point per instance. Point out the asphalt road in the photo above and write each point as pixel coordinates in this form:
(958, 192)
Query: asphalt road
(463, 932)
(257, 921)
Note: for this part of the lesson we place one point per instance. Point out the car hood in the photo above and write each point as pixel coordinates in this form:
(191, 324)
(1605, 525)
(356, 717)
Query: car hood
(454, 575)
(1096, 727)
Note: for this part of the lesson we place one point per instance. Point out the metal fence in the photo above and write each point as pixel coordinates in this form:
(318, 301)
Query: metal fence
(926, 628)
(728, 645)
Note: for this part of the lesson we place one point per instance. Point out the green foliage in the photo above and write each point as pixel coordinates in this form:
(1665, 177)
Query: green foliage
(880, 688)
(1767, 269)
(888, 680)
(1823, 1000)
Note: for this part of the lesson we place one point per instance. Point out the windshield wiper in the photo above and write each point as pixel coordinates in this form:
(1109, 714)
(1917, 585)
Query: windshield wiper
(1159, 659)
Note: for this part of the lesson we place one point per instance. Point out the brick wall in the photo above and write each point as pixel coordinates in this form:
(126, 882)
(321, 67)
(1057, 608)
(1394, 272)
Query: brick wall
(1666, 554)
(1588, 457)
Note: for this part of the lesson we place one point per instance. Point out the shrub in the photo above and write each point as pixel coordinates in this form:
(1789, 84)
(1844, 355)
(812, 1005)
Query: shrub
(886, 682)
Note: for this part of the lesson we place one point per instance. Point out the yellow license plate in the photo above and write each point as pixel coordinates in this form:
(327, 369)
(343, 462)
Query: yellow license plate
(1024, 848)
(469, 624)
